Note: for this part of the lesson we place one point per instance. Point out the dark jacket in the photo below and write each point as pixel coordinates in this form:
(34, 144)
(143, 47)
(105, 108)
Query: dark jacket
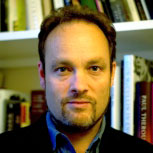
(35, 139)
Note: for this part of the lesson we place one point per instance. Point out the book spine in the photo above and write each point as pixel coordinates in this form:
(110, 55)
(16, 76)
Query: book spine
(117, 10)
(67, 2)
(144, 5)
(38, 104)
(20, 24)
(133, 10)
(144, 115)
(24, 114)
(76, 3)
(150, 7)
(46, 7)
(152, 113)
(90, 3)
(116, 101)
(99, 6)
(34, 14)
(128, 100)
(107, 9)
(58, 4)
(140, 10)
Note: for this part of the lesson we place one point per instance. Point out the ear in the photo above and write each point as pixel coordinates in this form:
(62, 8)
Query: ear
(113, 72)
(41, 74)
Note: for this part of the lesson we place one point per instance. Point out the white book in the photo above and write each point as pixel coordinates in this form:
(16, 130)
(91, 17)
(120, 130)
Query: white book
(34, 14)
(4, 96)
(116, 100)
(133, 10)
(145, 9)
(135, 69)
(12, 14)
(58, 4)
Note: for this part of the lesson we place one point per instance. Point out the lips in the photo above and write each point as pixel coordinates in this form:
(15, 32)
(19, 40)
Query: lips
(78, 104)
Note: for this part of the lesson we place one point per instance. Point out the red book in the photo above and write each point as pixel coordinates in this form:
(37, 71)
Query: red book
(38, 104)
(143, 116)
(152, 113)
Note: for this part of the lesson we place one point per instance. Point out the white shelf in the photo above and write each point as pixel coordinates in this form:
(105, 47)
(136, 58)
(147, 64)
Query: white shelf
(21, 48)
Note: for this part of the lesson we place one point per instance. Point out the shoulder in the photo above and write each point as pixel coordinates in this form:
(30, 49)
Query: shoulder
(32, 138)
(119, 141)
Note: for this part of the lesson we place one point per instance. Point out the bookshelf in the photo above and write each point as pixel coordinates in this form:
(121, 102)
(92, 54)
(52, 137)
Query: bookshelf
(19, 49)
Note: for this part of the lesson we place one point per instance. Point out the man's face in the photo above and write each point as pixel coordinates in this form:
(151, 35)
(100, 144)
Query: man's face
(77, 74)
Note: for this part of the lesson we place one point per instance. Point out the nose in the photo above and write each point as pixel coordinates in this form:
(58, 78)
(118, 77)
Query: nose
(78, 84)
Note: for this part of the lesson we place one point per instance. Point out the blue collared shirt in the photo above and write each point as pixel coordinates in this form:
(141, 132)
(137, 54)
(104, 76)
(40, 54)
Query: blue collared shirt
(61, 143)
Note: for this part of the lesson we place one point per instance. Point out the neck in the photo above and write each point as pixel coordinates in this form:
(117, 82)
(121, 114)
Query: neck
(82, 140)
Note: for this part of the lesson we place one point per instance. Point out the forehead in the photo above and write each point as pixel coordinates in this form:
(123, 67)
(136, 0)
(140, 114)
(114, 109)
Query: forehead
(77, 38)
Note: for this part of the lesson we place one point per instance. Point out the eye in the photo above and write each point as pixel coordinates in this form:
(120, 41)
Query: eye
(62, 70)
(95, 68)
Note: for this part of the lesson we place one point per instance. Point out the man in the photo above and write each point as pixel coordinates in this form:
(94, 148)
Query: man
(77, 66)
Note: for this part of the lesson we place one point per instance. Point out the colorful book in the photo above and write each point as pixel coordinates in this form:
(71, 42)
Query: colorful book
(152, 113)
(135, 69)
(25, 114)
(5, 95)
(90, 3)
(99, 6)
(143, 111)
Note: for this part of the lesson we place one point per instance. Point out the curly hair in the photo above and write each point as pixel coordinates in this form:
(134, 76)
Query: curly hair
(70, 13)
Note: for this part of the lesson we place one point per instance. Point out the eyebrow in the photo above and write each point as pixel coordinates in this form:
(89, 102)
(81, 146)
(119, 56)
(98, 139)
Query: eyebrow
(67, 62)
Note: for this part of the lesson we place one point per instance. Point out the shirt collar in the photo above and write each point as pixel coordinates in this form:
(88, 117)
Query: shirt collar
(53, 132)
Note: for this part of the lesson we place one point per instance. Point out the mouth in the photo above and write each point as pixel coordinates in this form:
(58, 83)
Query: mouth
(78, 104)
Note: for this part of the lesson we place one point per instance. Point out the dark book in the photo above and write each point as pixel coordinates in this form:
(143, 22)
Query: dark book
(117, 10)
(143, 110)
(140, 10)
(107, 9)
(12, 115)
(38, 104)
(149, 4)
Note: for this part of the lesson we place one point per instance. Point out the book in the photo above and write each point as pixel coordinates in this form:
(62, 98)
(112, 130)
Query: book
(143, 111)
(140, 10)
(135, 69)
(3, 16)
(107, 9)
(152, 113)
(99, 6)
(47, 7)
(117, 10)
(76, 3)
(5, 95)
(132, 10)
(149, 4)
(12, 115)
(34, 14)
(67, 2)
(116, 100)
(25, 114)
(144, 5)
(90, 3)
(38, 104)
(58, 4)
